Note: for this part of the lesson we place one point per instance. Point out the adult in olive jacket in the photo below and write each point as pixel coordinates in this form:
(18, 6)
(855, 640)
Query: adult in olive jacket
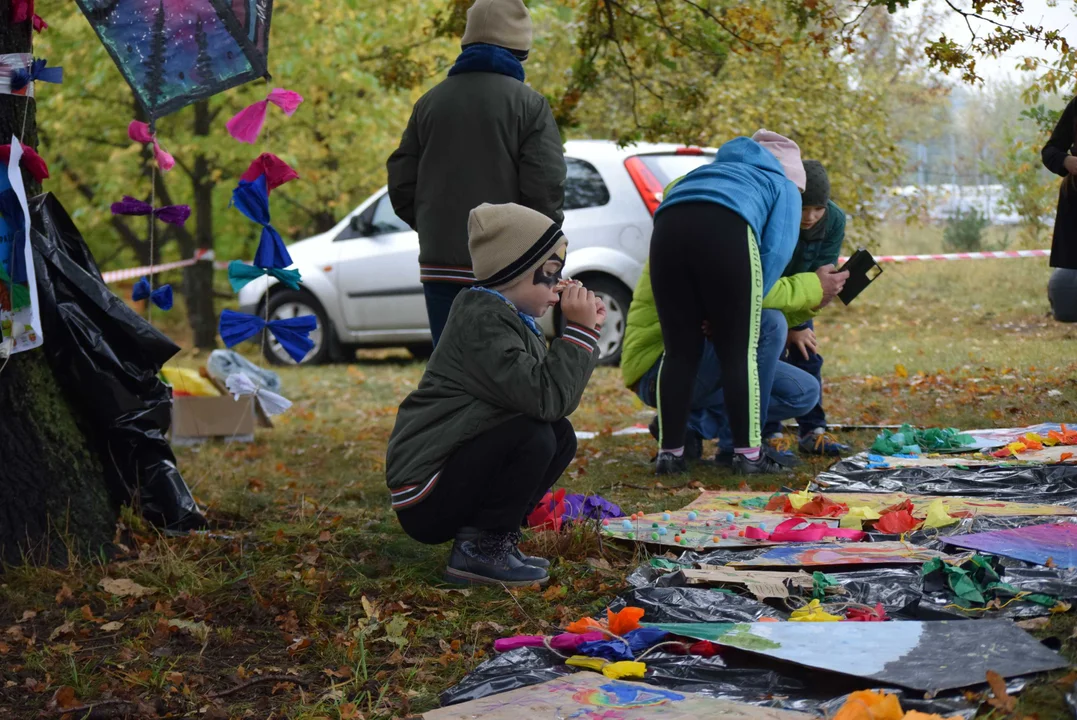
(479, 136)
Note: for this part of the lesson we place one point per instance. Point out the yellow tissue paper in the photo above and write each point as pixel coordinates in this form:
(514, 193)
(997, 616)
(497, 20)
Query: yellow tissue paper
(857, 515)
(188, 382)
(587, 663)
(813, 612)
(624, 669)
(800, 499)
(937, 516)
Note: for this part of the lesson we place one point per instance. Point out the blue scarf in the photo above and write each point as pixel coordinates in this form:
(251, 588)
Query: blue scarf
(528, 320)
(489, 59)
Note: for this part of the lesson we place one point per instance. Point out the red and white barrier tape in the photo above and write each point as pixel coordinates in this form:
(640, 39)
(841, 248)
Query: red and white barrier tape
(991, 255)
(113, 276)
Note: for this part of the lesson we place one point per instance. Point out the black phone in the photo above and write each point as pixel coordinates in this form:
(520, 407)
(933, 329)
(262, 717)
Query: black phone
(862, 271)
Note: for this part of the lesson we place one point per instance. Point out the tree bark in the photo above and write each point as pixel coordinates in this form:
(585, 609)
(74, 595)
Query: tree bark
(53, 497)
(198, 278)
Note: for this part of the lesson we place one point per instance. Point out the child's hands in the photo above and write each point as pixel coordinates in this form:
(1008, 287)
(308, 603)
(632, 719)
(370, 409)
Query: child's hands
(804, 341)
(601, 308)
(580, 306)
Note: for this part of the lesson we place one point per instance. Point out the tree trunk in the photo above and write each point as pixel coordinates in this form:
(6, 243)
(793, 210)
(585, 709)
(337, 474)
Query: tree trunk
(53, 498)
(198, 278)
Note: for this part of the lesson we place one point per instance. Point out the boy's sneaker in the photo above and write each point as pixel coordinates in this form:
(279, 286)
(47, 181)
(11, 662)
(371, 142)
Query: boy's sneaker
(820, 442)
(693, 443)
(489, 560)
(764, 465)
(780, 450)
(669, 464)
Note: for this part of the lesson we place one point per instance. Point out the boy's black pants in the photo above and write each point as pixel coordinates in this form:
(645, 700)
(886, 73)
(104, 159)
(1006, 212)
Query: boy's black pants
(494, 481)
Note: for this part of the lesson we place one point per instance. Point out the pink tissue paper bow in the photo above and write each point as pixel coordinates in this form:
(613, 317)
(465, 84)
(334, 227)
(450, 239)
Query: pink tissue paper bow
(23, 10)
(814, 532)
(140, 132)
(277, 171)
(562, 642)
(246, 126)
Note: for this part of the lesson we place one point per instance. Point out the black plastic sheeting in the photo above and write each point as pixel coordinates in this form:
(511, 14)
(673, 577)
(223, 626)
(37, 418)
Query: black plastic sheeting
(1049, 484)
(736, 676)
(107, 359)
(694, 604)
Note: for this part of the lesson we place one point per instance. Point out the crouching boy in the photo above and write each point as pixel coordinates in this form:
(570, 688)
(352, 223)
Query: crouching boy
(485, 435)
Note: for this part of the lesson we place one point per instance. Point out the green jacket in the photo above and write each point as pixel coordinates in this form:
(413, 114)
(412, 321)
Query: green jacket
(642, 345)
(474, 138)
(488, 368)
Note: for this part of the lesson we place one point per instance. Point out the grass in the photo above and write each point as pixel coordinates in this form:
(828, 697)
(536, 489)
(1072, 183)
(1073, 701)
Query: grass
(309, 599)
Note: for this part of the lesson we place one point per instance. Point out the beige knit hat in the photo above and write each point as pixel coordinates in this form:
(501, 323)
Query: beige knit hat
(788, 154)
(505, 23)
(509, 241)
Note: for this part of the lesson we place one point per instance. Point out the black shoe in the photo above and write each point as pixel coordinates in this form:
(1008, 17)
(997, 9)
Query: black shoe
(765, 465)
(473, 533)
(693, 443)
(822, 443)
(777, 447)
(489, 560)
(531, 560)
(669, 464)
(724, 459)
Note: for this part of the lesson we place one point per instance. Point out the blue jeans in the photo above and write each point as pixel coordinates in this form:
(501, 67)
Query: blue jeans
(439, 300)
(791, 391)
(816, 417)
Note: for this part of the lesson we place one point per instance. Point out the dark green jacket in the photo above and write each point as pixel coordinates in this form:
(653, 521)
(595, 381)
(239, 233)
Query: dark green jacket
(488, 368)
(809, 256)
(474, 138)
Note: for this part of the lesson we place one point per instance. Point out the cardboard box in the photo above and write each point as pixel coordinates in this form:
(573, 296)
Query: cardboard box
(197, 419)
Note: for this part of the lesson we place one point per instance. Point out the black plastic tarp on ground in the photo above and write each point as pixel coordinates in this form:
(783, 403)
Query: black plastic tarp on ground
(1047, 484)
(107, 359)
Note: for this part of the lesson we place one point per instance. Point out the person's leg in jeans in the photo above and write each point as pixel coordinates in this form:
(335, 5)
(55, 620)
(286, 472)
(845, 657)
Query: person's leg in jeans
(439, 300)
(813, 438)
(795, 393)
(484, 493)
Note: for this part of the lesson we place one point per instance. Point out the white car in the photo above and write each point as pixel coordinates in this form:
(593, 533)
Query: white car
(361, 279)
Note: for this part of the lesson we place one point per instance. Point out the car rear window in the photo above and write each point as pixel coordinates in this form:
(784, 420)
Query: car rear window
(667, 168)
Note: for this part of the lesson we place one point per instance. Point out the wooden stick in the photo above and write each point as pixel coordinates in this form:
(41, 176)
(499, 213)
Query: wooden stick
(85, 712)
(262, 679)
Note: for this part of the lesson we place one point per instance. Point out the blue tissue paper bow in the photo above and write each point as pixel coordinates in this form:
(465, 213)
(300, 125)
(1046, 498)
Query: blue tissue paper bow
(240, 274)
(612, 650)
(11, 209)
(161, 297)
(292, 333)
(37, 71)
(252, 199)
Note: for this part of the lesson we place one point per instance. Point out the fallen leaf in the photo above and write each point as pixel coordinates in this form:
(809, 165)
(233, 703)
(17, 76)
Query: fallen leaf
(288, 623)
(198, 630)
(176, 678)
(1002, 699)
(325, 536)
(368, 608)
(599, 563)
(555, 592)
(66, 629)
(64, 698)
(64, 595)
(112, 626)
(123, 587)
(255, 485)
(35, 686)
(348, 711)
(487, 625)
(1033, 623)
(87, 614)
(343, 672)
(283, 687)
(28, 616)
(298, 646)
(901, 371)
(4, 648)
(395, 629)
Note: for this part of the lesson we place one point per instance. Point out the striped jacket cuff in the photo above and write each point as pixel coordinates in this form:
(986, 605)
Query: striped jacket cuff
(586, 338)
(446, 274)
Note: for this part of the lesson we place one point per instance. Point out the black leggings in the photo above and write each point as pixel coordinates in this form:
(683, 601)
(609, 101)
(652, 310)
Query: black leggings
(705, 267)
(494, 481)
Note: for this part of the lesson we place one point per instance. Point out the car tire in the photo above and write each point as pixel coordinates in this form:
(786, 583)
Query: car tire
(617, 298)
(293, 303)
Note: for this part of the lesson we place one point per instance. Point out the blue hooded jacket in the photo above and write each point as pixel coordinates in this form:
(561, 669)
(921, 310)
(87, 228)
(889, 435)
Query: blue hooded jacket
(746, 178)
